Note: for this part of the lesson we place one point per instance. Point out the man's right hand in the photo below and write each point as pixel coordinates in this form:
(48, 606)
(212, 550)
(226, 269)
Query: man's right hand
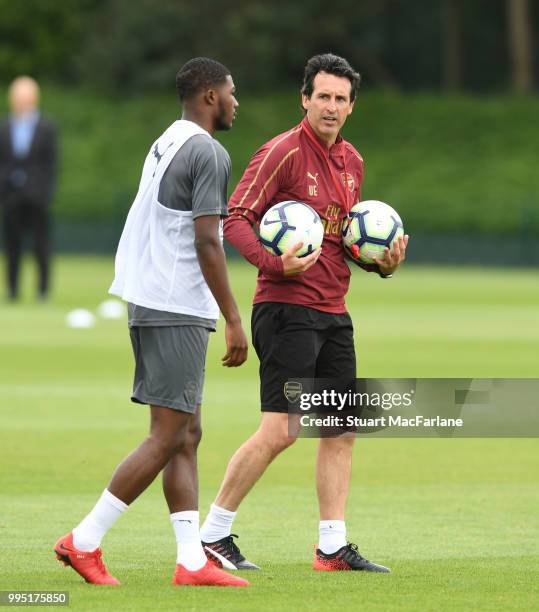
(236, 345)
(292, 265)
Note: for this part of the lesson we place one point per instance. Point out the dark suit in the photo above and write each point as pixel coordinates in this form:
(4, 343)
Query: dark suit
(26, 189)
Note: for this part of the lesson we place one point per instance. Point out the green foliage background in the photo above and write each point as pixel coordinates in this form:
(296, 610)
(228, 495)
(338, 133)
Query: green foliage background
(451, 164)
(123, 45)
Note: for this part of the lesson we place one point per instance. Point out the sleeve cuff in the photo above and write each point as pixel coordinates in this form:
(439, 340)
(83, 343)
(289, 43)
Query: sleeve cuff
(273, 265)
(210, 212)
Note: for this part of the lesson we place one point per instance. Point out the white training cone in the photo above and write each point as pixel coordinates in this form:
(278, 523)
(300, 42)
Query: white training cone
(80, 318)
(111, 309)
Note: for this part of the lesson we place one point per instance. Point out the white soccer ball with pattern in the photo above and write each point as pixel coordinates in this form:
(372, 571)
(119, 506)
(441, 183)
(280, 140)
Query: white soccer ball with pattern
(287, 223)
(372, 226)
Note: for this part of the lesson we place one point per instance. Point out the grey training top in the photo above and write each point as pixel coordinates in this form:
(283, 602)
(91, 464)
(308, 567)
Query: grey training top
(197, 180)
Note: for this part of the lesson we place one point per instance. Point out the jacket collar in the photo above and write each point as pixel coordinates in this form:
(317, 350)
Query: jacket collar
(334, 147)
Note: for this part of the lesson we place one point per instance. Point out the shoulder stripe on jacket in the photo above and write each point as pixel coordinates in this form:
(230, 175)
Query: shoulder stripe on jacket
(291, 152)
(278, 142)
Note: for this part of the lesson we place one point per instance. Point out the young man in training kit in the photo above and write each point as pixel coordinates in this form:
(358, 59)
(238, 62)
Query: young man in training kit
(300, 326)
(171, 269)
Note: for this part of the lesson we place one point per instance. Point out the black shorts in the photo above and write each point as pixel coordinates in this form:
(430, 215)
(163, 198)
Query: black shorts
(294, 341)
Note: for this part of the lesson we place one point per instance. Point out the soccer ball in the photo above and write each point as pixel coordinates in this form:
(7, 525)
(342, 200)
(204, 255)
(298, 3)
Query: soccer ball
(372, 226)
(287, 223)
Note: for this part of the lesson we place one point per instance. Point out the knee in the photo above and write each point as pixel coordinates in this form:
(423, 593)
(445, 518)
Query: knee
(276, 433)
(186, 441)
(279, 441)
(192, 439)
(342, 444)
(170, 443)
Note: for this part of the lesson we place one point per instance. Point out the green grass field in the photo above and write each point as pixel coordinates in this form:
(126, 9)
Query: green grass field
(456, 519)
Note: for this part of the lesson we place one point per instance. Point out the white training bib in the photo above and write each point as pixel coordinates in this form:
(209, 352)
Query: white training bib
(156, 263)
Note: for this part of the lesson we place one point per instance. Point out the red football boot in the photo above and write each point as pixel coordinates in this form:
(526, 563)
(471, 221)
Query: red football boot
(209, 575)
(88, 564)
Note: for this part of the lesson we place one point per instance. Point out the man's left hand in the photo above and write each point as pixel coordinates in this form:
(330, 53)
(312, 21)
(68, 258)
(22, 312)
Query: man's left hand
(393, 258)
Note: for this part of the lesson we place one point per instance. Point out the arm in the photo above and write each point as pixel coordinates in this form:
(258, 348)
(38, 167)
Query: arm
(50, 161)
(4, 158)
(196, 179)
(53, 156)
(211, 257)
(257, 190)
(390, 261)
(241, 235)
(393, 259)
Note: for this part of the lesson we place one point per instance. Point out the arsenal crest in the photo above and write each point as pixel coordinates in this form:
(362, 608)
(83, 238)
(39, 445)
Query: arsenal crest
(292, 391)
(347, 178)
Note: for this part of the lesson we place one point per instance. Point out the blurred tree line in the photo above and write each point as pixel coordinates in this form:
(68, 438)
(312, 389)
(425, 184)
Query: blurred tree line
(457, 165)
(132, 46)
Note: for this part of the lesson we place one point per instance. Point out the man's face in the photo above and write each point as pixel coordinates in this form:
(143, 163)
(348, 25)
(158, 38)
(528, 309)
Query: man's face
(227, 105)
(23, 96)
(329, 105)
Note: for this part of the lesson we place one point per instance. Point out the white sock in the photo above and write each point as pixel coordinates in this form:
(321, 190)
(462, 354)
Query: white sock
(88, 534)
(332, 536)
(190, 552)
(218, 524)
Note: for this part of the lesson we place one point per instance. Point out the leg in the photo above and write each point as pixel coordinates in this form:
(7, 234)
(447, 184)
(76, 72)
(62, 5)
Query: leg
(136, 472)
(244, 469)
(13, 242)
(287, 347)
(333, 480)
(40, 221)
(250, 461)
(80, 548)
(180, 476)
(169, 363)
(180, 486)
(336, 362)
(333, 468)
(168, 431)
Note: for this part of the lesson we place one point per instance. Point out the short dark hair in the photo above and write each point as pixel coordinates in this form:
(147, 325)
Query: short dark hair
(199, 74)
(332, 64)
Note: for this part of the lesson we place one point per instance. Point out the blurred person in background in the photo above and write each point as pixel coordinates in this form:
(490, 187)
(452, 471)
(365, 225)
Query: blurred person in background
(28, 164)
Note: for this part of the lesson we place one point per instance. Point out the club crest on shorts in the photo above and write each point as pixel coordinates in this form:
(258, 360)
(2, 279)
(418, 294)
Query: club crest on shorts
(292, 391)
(191, 392)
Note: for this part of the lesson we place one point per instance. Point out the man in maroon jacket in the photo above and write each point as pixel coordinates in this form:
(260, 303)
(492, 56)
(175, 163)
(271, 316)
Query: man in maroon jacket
(300, 325)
